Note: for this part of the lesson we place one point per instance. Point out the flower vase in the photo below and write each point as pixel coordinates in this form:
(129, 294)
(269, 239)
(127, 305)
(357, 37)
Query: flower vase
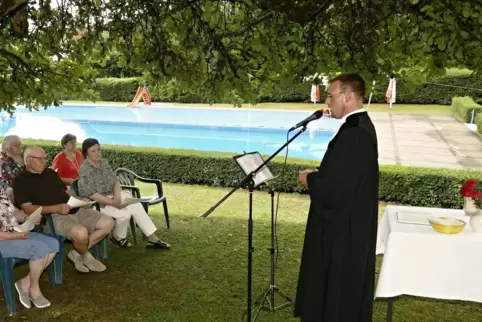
(476, 221)
(469, 206)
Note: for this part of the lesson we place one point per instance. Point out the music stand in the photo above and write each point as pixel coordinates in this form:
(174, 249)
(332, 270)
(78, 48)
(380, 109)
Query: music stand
(248, 180)
(249, 162)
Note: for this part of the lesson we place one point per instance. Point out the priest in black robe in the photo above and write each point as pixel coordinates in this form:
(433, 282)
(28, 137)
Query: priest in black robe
(337, 273)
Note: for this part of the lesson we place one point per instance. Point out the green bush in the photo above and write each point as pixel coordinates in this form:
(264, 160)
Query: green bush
(438, 91)
(300, 92)
(398, 184)
(478, 121)
(463, 108)
(117, 89)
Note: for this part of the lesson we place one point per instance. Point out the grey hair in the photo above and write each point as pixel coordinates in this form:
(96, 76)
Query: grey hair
(27, 153)
(8, 140)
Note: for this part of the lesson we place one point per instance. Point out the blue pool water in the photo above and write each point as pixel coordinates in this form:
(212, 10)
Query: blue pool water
(208, 129)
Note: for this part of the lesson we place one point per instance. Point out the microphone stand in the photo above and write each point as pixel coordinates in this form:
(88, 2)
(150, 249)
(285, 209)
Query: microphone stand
(248, 180)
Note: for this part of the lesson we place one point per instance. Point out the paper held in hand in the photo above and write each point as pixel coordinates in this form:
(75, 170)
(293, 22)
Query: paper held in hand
(250, 162)
(30, 223)
(130, 201)
(77, 203)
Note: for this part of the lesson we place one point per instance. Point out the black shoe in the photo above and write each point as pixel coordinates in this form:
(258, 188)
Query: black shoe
(124, 243)
(159, 244)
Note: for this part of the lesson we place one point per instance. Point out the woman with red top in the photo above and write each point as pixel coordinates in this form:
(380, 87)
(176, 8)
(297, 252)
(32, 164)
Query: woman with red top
(67, 163)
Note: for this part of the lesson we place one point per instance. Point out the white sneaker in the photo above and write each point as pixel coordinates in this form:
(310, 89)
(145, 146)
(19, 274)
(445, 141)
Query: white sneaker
(77, 260)
(92, 263)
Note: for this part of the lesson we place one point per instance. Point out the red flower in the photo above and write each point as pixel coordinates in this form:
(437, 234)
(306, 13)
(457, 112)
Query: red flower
(469, 189)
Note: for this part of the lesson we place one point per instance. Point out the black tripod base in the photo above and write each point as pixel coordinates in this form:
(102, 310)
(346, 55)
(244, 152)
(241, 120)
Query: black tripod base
(267, 301)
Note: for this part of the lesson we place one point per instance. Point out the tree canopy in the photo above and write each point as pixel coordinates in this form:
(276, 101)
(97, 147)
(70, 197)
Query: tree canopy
(215, 47)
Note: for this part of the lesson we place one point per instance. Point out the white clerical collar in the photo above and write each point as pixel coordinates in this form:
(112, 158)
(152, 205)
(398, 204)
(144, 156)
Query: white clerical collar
(360, 110)
(343, 119)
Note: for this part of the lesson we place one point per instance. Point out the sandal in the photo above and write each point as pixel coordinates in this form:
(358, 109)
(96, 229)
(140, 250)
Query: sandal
(159, 244)
(124, 243)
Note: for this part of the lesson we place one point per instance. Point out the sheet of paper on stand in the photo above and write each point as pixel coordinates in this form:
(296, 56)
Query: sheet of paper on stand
(76, 202)
(30, 223)
(250, 162)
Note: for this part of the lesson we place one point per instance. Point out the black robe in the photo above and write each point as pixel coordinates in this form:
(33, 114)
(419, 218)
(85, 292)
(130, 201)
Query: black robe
(337, 273)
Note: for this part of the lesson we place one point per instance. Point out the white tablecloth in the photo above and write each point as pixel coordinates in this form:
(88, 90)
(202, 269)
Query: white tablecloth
(419, 261)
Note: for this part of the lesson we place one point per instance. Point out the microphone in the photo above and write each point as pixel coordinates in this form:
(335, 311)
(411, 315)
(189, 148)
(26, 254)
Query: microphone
(307, 120)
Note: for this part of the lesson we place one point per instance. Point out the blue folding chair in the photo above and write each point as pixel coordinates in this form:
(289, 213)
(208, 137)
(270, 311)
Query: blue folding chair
(7, 277)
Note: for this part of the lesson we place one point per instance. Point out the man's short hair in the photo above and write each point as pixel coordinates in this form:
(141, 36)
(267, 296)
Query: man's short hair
(27, 153)
(351, 82)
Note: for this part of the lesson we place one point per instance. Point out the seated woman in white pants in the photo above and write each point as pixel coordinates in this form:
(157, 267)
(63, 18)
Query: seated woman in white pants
(98, 182)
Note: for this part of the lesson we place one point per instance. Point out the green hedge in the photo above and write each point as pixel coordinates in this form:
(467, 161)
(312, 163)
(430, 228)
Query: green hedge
(117, 89)
(124, 89)
(463, 108)
(478, 121)
(404, 185)
(429, 93)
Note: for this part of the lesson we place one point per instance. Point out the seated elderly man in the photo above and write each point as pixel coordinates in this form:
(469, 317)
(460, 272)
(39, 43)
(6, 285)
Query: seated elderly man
(85, 227)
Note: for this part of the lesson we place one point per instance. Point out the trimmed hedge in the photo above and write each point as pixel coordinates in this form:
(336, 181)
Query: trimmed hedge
(478, 121)
(463, 107)
(429, 93)
(117, 89)
(398, 184)
(124, 89)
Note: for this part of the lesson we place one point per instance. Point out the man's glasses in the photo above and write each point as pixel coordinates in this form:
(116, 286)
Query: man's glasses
(336, 94)
(38, 158)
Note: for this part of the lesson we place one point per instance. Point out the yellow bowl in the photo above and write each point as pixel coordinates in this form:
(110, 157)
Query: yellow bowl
(448, 229)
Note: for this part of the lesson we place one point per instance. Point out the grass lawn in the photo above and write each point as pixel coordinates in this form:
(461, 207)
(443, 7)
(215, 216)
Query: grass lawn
(203, 277)
(396, 108)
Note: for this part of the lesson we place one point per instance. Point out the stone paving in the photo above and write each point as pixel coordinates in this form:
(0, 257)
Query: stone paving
(438, 141)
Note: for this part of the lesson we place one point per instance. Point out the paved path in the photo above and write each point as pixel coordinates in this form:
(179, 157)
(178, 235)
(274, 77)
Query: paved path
(438, 141)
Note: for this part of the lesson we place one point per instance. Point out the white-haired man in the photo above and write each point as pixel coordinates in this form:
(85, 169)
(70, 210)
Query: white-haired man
(85, 227)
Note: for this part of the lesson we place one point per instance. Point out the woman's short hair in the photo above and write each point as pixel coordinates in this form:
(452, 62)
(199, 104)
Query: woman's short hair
(66, 139)
(87, 144)
(8, 141)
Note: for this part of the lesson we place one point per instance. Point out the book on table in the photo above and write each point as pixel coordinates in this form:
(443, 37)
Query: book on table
(414, 218)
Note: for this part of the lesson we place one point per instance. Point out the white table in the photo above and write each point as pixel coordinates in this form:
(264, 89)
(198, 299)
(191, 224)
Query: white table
(419, 261)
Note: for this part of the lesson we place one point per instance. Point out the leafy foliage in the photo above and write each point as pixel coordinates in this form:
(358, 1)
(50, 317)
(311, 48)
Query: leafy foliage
(123, 90)
(36, 67)
(113, 65)
(464, 107)
(478, 121)
(398, 184)
(234, 48)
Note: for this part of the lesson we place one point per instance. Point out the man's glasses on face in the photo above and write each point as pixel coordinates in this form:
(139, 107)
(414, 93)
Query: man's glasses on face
(330, 96)
(39, 158)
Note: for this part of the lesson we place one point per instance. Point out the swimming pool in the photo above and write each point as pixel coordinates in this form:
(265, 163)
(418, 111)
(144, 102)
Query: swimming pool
(208, 129)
